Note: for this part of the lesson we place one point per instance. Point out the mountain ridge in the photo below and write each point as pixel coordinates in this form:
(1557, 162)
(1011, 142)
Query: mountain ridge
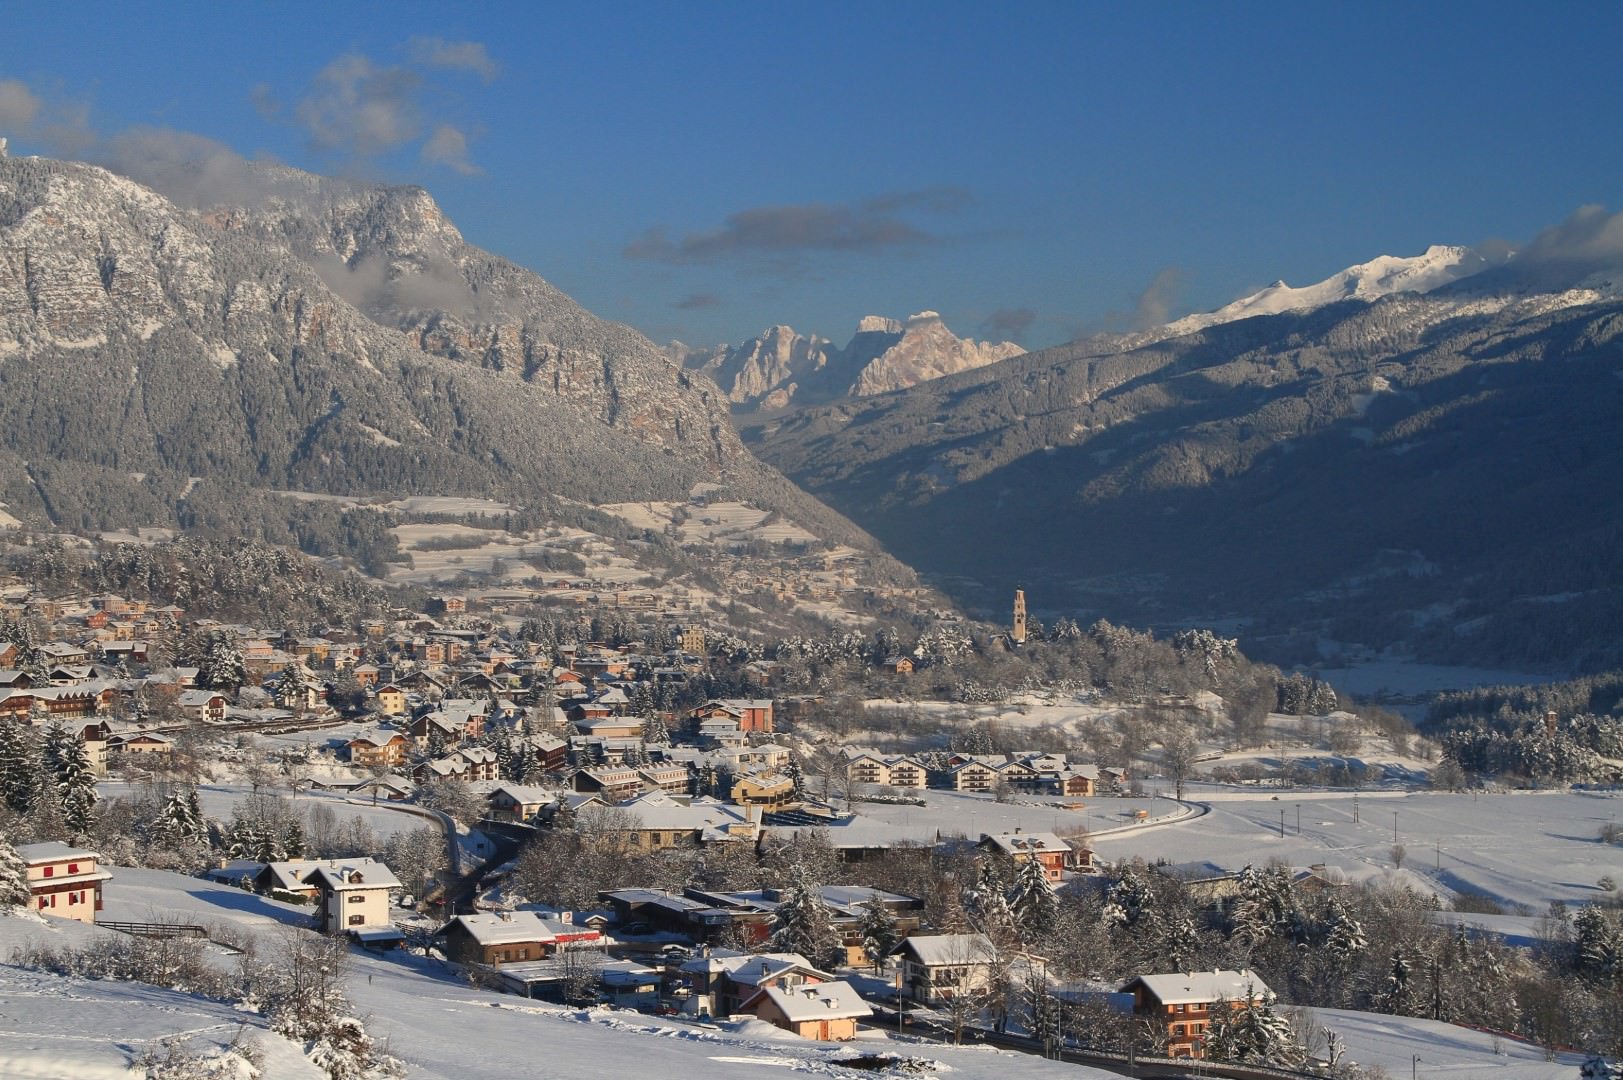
(143, 344)
(780, 368)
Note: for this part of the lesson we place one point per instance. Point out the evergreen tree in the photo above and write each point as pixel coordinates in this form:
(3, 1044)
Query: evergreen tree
(19, 765)
(76, 785)
(1265, 905)
(797, 776)
(654, 731)
(181, 821)
(802, 922)
(222, 666)
(986, 902)
(1032, 902)
(879, 934)
(292, 838)
(1398, 996)
(1344, 940)
(14, 890)
(1251, 1031)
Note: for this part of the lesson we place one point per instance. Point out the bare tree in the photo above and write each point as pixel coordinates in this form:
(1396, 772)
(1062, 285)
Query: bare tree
(1178, 753)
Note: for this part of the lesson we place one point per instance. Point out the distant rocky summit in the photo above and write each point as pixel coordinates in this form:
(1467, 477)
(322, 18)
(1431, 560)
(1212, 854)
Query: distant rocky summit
(780, 367)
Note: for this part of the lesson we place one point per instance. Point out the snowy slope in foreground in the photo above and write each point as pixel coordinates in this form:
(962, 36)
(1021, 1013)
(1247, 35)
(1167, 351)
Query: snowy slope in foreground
(1381, 276)
(419, 1010)
(56, 1028)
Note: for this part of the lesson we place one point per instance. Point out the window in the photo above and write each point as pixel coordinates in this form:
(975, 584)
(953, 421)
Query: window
(1177, 1031)
(50, 871)
(73, 868)
(356, 898)
(357, 920)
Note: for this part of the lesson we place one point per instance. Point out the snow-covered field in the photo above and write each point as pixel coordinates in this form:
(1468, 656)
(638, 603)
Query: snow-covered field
(946, 813)
(1446, 1052)
(1518, 848)
(218, 800)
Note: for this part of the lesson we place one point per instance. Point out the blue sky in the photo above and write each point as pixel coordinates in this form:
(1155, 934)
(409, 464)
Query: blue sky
(704, 170)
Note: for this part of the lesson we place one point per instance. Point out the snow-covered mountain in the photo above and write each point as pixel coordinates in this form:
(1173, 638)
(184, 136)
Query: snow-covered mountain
(781, 367)
(1382, 276)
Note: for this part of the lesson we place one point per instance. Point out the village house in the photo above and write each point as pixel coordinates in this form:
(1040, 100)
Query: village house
(206, 706)
(827, 1011)
(1052, 852)
(750, 714)
(1182, 1002)
(63, 881)
(724, 979)
(352, 897)
(378, 748)
(505, 937)
(938, 967)
(391, 699)
(519, 802)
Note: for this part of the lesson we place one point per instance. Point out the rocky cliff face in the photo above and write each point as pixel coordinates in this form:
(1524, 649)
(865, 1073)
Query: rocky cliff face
(781, 368)
(331, 337)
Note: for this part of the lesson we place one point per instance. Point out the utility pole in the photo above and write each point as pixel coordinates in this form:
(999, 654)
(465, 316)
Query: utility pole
(1439, 855)
(1282, 823)
(1355, 808)
(1394, 826)
(1298, 819)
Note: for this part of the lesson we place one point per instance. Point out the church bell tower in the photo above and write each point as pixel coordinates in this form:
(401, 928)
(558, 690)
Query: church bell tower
(1017, 633)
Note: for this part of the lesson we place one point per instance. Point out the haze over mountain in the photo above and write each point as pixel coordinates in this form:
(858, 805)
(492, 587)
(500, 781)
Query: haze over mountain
(159, 362)
(781, 367)
(1433, 472)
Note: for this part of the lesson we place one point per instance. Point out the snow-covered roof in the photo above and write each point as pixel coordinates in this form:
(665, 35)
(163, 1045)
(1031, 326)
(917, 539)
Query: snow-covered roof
(507, 928)
(1024, 843)
(52, 851)
(940, 950)
(348, 875)
(836, 1000)
(1182, 988)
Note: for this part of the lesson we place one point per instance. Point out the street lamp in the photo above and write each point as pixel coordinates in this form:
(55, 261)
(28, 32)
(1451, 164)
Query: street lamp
(1394, 826)
(1298, 819)
(1414, 1068)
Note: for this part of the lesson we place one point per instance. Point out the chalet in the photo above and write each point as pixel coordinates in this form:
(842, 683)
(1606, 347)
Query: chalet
(63, 881)
(375, 747)
(366, 675)
(939, 967)
(207, 706)
(826, 1011)
(482, 763)
(140, 742)
(1052, 852)
(509, 936)
(897, 665)
(1080, 781)
(430, 725)
(520, 802)
(13, 679)
(388, 786)
(656, 822)
(1182, 1001)
(352, 895)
